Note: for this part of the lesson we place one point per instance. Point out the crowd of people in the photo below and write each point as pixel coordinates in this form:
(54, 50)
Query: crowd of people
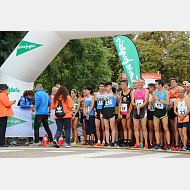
(156, 117)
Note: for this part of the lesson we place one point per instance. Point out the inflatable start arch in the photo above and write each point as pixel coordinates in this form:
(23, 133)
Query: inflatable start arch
(34, 53)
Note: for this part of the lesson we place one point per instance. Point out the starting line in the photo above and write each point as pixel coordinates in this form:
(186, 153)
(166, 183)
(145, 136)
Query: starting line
(107, 147)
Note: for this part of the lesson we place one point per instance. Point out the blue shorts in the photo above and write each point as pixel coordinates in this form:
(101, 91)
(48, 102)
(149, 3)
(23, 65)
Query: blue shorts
(181, 125)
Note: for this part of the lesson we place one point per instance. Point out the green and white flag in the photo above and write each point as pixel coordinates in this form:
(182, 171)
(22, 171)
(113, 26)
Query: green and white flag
(129, 57)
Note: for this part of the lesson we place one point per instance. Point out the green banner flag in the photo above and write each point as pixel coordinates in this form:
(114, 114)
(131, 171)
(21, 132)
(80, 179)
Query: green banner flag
(129, 57)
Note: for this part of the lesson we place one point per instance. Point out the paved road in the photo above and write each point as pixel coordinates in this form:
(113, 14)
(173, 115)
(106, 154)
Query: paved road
(84, 152)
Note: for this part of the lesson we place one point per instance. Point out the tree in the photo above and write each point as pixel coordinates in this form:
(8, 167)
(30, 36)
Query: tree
(8, 42)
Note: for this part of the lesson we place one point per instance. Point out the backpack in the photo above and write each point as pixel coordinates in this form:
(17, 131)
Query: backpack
(19, 102)
(59, 112)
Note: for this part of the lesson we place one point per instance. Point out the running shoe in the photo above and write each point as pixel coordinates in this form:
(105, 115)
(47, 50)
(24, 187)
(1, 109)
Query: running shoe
(50, 144)
(98, 144)
(112, 144)
(162, 147)
(103, 144)
(150, 146)
(68, 145)
(177, 148)
(146, 146)
(168, 147)
(157, 147)
(184, 149)
(136, 146)
(116, 144)
(141, 145)
(172, 146)
(154, 145)
(56, 144)
(165, 146)
(92, 143)
(84, 142)
(13, 143)
(74, 143)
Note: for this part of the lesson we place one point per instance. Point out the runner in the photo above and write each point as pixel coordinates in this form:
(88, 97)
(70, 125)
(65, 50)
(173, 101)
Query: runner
(182, 110)
(167, 86)
(82, 118)
(99, 97)
(75, 114)
(117, 120)
(188, 130)
(140, 100)
(161, 99)
(150, 113)
(88, 110)
(184, 84)
(125, 109)
(173, 95)
(108, 110)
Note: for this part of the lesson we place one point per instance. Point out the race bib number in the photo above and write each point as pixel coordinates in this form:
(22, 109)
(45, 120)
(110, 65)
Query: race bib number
(172, 101)
(139, 102)
(124, 107)
(151, 107)
(75, 107)
(87, 108)
(182, 110)
(108, 101)
(159, 105)
(100, 101)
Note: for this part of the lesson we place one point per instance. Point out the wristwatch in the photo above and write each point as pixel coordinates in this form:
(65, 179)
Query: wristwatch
(184, 115)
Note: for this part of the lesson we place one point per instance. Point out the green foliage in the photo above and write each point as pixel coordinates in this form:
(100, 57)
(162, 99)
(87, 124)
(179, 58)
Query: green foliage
(80, 63)
(8, 42)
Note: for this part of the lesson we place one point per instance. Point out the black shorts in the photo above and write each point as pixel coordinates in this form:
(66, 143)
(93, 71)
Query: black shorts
(116, 116)
(77, 115)
(172, 115)
(142, 115)
(98, 114)
(150, 115)
(108, 113)
(160, 113)
(81, 119)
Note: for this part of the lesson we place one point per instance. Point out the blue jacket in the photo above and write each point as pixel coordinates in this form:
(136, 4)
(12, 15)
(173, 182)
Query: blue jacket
(25, 104)
(42, 101)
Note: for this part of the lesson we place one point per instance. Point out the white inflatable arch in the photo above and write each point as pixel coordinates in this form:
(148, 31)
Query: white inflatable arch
(35, 52)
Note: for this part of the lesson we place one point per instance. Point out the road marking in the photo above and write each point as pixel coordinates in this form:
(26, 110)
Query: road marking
(59, 151)
(155, 155)
(9, 150)
(92, 155)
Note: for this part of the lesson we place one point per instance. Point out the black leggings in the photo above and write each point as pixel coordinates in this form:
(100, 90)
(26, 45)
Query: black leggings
(89, 124)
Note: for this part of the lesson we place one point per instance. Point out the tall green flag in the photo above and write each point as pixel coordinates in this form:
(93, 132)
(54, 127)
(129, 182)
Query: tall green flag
(129, 57)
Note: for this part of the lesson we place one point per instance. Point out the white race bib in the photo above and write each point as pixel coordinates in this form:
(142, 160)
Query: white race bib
(100, 101)
(87, 108)
(139, 102)
(124, 107)
(151, 107)
(108, 101)
(159, 105)
(182, 110)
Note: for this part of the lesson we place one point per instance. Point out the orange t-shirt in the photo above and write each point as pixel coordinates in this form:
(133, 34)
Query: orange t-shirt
(67, 106)
(173, 96)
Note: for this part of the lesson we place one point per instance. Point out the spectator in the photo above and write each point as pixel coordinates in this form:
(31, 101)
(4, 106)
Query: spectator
(67, 103)
(42, 102)
(25, 102)
(5, 111)
(54, 91)
(58, 86)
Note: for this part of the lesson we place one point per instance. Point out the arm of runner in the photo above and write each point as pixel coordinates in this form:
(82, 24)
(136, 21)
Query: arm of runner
(83, 107)
(119, 104)
(78, 108)
(188, 106)
(95, 104)
(146, 98)
(101, 115)
(153, 98)
(133, 99)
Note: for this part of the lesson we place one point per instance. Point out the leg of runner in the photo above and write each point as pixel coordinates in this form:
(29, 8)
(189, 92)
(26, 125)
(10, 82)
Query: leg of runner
(124, 124)
(172, 133)
(106, 124)
(84, 131)
(97, 123)
(129, 131)
(185, 137)
(166, 130)
(150, 126)
(181, 135)
(141, 135)
(103, 131)
(116, 135)
(136, 132)
(176, 133)
(157, 133)
(145, 133)
(112, 126)
(72, 127)
(75, 133)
